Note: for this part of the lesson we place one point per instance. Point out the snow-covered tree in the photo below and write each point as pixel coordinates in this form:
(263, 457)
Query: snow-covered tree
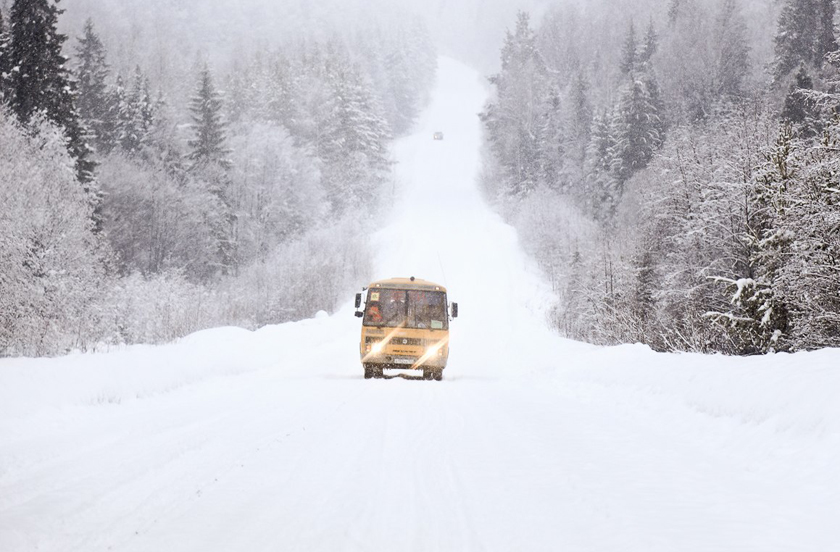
(732, 52)
(5, 68)
(276, 190)
(704, 59)
(156, 223)
(515, 116)
(630, 51)
(94, 102)
(52, 262)
(40, 80)
(353, 141)
(208, 144)
(805, 35)
(135, 113)
(639, 125)
(650, 45)
(603, 188)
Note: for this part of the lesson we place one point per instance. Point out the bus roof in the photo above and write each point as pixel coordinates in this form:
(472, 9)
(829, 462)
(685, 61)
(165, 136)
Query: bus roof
(407, 283)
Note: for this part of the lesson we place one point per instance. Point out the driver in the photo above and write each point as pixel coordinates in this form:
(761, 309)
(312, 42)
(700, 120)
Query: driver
(374, 314)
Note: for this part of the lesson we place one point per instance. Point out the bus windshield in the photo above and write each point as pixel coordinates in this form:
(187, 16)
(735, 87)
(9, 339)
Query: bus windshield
(394, 308)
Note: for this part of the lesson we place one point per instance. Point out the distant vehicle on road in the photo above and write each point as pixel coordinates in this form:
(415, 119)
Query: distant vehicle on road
(438, 136)
(405, 326)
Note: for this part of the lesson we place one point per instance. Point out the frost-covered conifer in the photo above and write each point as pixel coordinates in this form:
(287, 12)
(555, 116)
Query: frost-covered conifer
(513, 117)
(353, 142)
(650, 45)
(602, 192)
(639, 126)
(805, 35)
(135, 114)
(630, 51)
(93, 98)
(732, 50)
(40, 80)
(5, 68)
(826, 41)
(208, 145)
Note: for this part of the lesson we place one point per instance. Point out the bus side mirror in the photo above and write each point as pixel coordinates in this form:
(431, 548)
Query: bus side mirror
(454, 310)
(359, 314)
(358, 300)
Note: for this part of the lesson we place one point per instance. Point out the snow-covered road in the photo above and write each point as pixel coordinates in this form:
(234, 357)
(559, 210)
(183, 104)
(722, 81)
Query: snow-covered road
(272, 440)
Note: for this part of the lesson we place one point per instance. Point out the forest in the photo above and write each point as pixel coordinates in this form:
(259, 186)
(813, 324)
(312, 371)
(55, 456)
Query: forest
(672, 167)
(675, 172)
(145, 208)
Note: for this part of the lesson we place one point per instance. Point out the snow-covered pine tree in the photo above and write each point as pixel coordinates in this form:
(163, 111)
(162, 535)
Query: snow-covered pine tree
(630, 51)
(210, 166)
(601, 194)
(799, 37)
(552, 145)
(94, 99)
(760, 315)
(578, 124)
(800, 107)
(650, 45)
(135, 115)
(808, 281)
(732, 51)
(208, 145)
(353, 143)
(401, 87)
(5, 69)
(826, 40)
(41, 82)
(639, 126)
(559, 43)
(514, 117)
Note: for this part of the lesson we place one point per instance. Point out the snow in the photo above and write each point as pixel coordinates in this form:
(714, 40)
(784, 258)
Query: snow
(272, 440)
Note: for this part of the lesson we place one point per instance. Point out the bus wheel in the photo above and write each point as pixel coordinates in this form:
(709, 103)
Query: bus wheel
(368, 372)
(438, 375)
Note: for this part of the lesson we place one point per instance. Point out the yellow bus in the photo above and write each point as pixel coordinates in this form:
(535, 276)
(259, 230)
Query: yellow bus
(405, 326)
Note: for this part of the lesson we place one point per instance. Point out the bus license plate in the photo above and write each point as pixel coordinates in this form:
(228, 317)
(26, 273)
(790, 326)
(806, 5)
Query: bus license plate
(404, 360)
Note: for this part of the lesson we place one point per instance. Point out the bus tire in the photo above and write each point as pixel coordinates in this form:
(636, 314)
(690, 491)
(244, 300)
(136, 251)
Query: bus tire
(368, 372)
(438, 375)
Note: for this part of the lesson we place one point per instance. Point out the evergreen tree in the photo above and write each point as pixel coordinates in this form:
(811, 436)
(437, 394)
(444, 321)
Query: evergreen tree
(639, 124)
(353, 142)
(135, 114)
(40, 81)
(826, 40)
(799, 108)
(650, 44)
(515, 119)
(5, 68)
(553, 141)
(602, 186)
(629, 52)
(208, 145)
(732, 52)
(94, 103)
(579, 124)
(805, 35)
(761, 313)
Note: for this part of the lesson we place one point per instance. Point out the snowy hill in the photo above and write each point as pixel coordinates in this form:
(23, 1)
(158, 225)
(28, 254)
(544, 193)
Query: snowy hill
(272, 440)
